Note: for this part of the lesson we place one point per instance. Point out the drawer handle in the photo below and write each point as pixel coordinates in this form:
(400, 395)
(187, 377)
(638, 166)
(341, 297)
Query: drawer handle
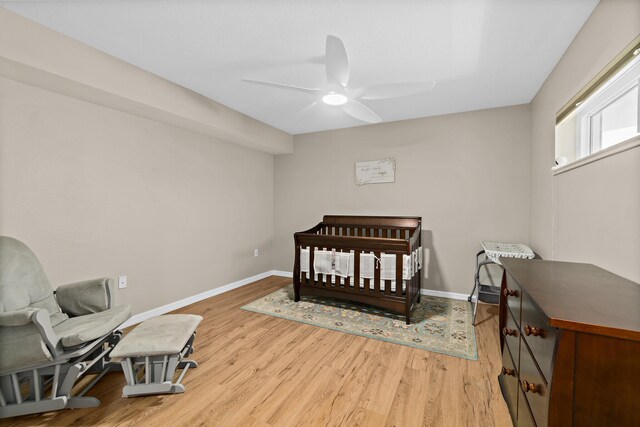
(507, 371)
(532, 330)
(509, 293)
(506, 331)
(527, 386)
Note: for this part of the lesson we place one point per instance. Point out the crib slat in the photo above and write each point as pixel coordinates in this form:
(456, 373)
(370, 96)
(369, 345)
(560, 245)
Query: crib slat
(325, 280)
(399, 274)
(376, 275)
(339, 279)
(367, 282)
(356, 270)
(311, 270)
(387, 286)
(347, 280)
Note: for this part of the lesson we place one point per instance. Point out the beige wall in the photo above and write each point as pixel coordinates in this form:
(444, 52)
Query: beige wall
(612, 25)
(597, 211)
(466, 174)
(98, 192)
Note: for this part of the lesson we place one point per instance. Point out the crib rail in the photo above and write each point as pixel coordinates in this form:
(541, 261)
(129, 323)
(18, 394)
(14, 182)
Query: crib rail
(390, 235)
(374, 221)
(347, 243)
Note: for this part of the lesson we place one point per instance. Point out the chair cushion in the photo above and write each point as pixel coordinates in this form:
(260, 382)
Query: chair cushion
(23, 282)
(82, 329)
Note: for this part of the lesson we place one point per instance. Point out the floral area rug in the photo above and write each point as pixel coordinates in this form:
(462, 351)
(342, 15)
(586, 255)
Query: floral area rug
(441, 325)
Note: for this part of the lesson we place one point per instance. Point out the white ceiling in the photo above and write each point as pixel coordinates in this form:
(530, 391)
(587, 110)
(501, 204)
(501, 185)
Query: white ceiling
(481, 53)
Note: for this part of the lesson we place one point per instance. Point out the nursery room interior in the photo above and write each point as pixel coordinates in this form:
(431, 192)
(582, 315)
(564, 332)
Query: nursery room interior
(337, 213)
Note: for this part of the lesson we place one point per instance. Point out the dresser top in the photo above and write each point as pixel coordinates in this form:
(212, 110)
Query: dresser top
(580, 297)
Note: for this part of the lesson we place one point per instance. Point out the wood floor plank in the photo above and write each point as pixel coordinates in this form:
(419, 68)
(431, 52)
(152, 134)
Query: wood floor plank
(257, 370)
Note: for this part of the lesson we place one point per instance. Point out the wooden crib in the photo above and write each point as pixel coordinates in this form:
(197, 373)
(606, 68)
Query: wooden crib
(378, 235)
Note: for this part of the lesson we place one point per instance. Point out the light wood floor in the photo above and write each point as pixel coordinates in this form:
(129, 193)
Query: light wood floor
(257, 370)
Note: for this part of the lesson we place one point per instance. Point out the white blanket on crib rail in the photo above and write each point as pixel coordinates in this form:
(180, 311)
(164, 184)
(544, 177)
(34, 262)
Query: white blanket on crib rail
(342, 264)
(388, 266)
(323, 262)
(304, 260)
(367, 266)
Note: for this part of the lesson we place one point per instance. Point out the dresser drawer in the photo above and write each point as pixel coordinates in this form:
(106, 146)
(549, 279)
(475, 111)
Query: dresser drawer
(511, 335)
(525, 418)
(509, 382)
(533, 387)
(540, 337)
(512, 294)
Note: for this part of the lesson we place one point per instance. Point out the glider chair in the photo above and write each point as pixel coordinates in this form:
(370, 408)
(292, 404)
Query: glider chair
(50, 339)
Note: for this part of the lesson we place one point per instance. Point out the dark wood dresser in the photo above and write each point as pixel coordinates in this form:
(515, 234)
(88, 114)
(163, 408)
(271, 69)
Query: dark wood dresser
(570, 337)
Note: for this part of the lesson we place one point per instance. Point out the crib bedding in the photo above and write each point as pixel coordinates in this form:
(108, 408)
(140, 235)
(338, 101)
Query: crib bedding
(361, 259)
(339, 265)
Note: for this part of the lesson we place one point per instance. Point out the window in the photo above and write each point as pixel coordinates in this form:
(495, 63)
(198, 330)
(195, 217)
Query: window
(610, 115)
(605, 113)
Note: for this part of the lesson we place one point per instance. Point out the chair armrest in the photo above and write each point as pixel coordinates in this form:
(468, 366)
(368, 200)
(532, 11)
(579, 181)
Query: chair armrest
(26, 339)
(18, 317)
(89, 296)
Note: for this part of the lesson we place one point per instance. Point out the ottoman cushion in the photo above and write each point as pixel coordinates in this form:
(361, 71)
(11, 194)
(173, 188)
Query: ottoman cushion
(158, 336)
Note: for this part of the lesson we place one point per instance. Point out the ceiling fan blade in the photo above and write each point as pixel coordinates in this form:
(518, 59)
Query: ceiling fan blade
(361, 112)
(395, 90)
(310, 91)
(337, 62)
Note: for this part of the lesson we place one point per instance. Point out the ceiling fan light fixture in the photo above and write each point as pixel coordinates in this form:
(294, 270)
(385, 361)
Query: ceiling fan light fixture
(335, 99)
(337, 91)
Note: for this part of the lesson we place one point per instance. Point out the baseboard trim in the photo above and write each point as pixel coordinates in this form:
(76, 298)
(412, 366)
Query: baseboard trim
(282, 273)
(140, 317)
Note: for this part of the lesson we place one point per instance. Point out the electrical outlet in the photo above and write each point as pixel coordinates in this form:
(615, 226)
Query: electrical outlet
(256, 252)
(122, 282)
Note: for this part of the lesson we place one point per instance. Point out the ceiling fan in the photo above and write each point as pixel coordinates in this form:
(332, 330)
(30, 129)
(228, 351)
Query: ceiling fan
(337, 92)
